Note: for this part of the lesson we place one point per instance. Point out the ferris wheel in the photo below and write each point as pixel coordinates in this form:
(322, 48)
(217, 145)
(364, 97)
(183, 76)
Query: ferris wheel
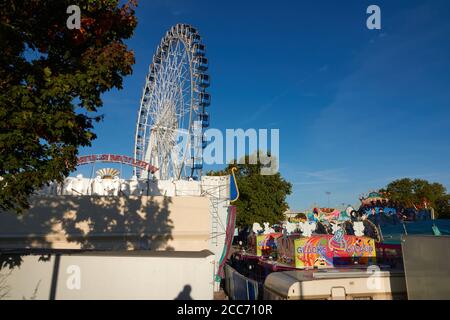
(173, 112)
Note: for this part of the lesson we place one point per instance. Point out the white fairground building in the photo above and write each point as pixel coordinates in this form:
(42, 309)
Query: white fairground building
(125, 239)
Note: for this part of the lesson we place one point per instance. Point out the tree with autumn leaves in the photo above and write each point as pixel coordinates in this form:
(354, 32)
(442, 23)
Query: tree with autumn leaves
(51, 82)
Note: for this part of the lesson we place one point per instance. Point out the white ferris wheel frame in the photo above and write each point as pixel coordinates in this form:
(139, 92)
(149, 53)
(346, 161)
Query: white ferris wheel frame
(169, 105)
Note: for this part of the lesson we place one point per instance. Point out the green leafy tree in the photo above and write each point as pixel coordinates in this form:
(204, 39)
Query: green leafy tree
(412, 193)
(442, 207)
(262, 197)
(51, 81)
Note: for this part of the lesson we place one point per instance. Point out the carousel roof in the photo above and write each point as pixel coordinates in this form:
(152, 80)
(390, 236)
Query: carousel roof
(374, 196)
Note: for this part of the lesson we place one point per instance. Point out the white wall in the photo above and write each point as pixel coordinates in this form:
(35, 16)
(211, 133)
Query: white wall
(108, 277)
(109, 223)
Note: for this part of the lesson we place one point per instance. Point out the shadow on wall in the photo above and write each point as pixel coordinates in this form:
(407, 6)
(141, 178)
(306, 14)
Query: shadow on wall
(86, 223)
(185, 294)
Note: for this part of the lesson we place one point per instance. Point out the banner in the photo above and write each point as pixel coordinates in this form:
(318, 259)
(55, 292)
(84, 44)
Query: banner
(234, 189)
(231, 223)
(113, 158)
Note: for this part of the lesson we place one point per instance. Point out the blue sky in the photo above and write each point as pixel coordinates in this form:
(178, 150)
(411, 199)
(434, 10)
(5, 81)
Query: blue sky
(356, 108)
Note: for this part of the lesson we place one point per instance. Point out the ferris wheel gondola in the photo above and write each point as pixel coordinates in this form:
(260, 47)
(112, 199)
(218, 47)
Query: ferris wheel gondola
(174, 103)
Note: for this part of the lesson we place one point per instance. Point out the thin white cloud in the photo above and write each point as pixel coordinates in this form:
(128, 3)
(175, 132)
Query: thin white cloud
(328, 176)
(271, 103)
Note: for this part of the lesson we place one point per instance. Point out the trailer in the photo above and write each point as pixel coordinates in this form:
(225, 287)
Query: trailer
(335, 284)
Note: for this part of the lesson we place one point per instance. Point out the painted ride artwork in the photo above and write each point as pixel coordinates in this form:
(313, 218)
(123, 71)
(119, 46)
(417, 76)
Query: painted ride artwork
(191, 198)
(327, 251)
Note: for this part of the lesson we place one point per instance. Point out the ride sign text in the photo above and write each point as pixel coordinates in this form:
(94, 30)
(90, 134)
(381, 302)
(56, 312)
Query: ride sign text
(112, 158)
